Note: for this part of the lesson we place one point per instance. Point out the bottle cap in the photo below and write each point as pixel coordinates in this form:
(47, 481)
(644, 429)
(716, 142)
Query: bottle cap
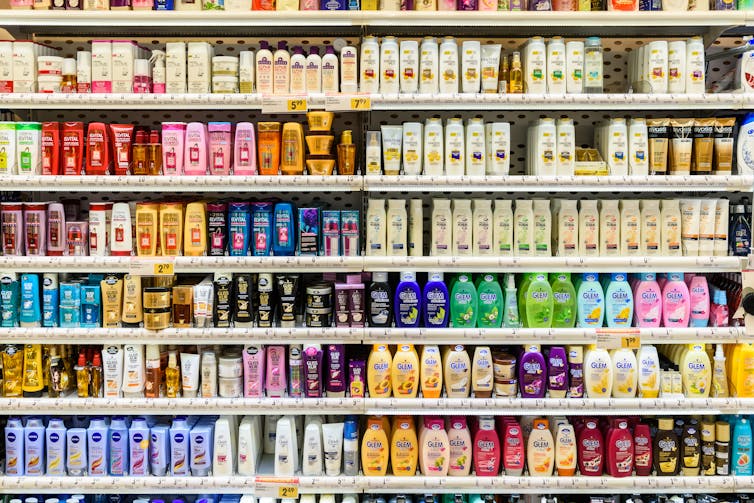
(282, 46)
(722, 431)
(665, 423)
(314, 51)
(346, 138)
(69, 66)
(408, 276)
(141, 67)
(379, 277)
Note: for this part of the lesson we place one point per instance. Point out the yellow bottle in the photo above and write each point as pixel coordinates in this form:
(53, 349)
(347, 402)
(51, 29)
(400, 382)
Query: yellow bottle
(431, 372)
(744, 371)
(379, 367)
(172, 376)
(457, 367)
(147, 215)
(13, 363)
(540, 451)
(375, 450)
(33, 382)
(292, 159)
(404, 447)
(405, 372)
(696, 371)
(171, 229)
(195, 229)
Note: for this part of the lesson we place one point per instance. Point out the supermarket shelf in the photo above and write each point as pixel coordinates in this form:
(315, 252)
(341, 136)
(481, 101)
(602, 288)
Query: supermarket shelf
(554, 406)
(544, 335)
(549, 184)
(276, 335)
(195, 406)
(553, 264)
(236, 23)
(182, 184)
(145, 266)
(391, 102)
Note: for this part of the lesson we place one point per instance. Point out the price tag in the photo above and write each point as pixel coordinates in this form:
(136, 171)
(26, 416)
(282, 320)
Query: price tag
(165, 266)
(348, 103)
(361, 103)
(296, 105)
(284, 104)
(276, 487)
(618, 338)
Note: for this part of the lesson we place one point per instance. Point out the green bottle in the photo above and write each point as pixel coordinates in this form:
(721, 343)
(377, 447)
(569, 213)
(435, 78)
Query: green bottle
(538, 302)
(525, 280)
(463, 302)
(490, 302)
(564, 300)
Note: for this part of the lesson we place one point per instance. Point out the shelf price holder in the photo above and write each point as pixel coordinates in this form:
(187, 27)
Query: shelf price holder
(618, 338)
(284, 105)
(276, 487)
(164, 266)
(348, 102)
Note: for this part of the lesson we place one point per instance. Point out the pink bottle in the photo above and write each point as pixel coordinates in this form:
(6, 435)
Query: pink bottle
(245, 150)
(719, 314)
(253, 371)
(676, 302)
(220, 148)
(513, 449)
(700, 301)
(276, 383)
(195, 149)
(647, 301)
(486, 449)
(459, 440)
(173, 141)
(620, 450)
(35, 228)
(591, 450)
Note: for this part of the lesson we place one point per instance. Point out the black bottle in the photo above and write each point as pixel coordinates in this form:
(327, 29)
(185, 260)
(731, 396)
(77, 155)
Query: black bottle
(380, 301)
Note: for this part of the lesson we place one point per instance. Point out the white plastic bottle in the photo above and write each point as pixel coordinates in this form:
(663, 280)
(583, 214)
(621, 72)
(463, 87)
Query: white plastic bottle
(416, 228)
(389, 66)
(397, 228)
(651, 227)
(523, 227)
(545, 148)
(349, 74)
(568, 228)
(264, 70)
(429, 66)
(695, 68)
(657, 61)
(376, 228)
(471, 66)
(502, 228)
(330, 71)
(281, 70)
(476, 154)
(442, 227)
(455, 152)
(409, 66)
(224, 451)
(598, 373)
(589, 229)
(630, 227)
(298, 72)
(575, 67)
(609, 227)
(535, 66)
(542, 227)
(448, 66)
(412, 148)
(616, 147)
(556, 66)
(483, 223)
(498, 137)
(670, 228)
(434, 152)
(677, 66)
(625, 372)
(314, 71)
(463, 227)
(566, 147)
(369, 65)
(638, 148)
(744, 147)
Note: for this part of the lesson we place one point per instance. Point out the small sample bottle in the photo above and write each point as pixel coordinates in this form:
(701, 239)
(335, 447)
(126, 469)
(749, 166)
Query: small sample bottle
(139, 155)
(154, 154)
(142, 83)
(503, 75)
(516, 82)
(346, 154)
(69, 83)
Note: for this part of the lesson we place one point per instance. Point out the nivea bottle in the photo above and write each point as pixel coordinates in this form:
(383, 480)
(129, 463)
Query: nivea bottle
(34, 445)
(179, 447)
(435, 302)
(118, 446)
(14, 447)
(407, 302)
(55, 439)
(76, 452)
(97, 445)
(283, 242)
(138, 447)
(158, 449)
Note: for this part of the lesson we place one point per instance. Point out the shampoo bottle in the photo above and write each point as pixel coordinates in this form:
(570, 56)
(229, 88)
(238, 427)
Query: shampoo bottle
(532, 373)
(435, 302)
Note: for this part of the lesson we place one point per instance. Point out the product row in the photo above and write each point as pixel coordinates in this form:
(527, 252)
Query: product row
(309, 371)
(586, 228)
(198, 228)
(400, 445)
(372, 497)
(196, 148)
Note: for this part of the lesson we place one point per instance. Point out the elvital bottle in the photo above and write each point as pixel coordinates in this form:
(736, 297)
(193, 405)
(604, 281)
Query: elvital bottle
(97, 444)
(676, 306)
(699, 298)
(564, 301)
(55, 442)
(34, 445)
(590, 302)
(436, 302)
(647, 301)
(407, 303)
(619, 302)
(118, 446)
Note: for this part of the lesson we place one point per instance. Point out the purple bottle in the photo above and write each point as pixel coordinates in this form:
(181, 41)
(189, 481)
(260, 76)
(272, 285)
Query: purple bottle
(557, 371)
(532, 372)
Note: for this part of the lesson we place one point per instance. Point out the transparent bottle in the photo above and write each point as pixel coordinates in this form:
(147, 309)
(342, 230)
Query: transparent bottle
(516, 83)
(593, 66)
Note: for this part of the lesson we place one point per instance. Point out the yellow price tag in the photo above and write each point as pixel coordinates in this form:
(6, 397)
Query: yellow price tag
(363, 103)
(615, 338)
(288, 492)
(630, 342)
(297, 105)
(163, 269)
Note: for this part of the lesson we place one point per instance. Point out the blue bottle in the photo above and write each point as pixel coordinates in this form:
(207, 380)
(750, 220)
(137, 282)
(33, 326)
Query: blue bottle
(407, 304)
(138, 448)
(55, 439)
(76, 451)
(436, 302)
(97, 444)
(14, 447)
(10, 299)
(179, 447)
(31, 301)
(34, 445)
(201, 438)
(619, 302)
(261, 217)
(284, 234)
(239, 229)
(50, 302)
(741, 448)
(351, 446)
(90, 306)
(159, 450)
(118, 446)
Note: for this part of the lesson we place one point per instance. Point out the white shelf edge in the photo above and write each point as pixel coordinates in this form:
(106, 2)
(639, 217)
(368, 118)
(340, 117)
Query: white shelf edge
(514, 183)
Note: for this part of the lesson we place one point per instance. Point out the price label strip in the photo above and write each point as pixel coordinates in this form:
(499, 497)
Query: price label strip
(276, 487)
(348, 103)
(165, 266)
(284, 104)
(617, 338)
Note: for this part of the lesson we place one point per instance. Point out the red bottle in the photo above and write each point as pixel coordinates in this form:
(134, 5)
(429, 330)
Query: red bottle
(642, 450)
(620, 450)
(513, 449)
(486, 449)
(591, 450)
